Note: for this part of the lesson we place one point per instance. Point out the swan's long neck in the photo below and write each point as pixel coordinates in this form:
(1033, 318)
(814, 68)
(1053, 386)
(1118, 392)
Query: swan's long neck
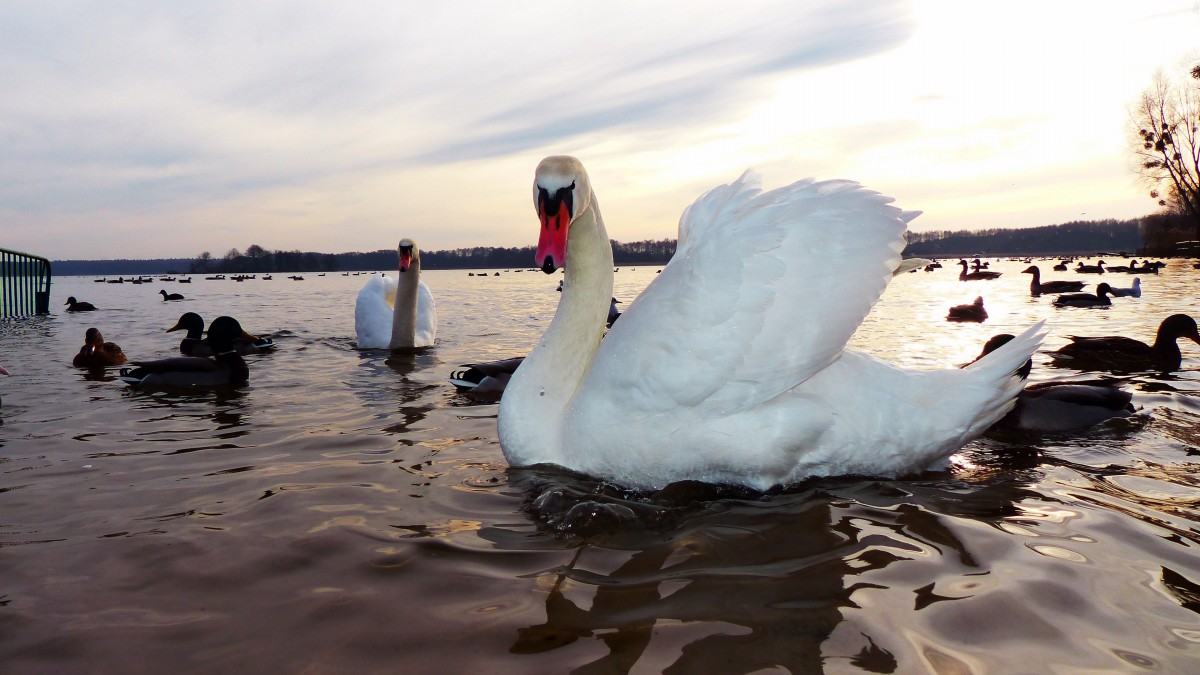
(535, 399)
(404, 311)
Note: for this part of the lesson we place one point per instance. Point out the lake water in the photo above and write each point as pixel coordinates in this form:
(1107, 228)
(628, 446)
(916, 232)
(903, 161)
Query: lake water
(348, 512)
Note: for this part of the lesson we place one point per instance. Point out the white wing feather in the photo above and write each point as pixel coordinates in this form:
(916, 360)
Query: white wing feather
(373, 313)
(763, 291)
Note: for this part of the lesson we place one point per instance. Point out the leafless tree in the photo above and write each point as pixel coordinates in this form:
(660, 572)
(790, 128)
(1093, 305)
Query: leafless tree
(1166, 143)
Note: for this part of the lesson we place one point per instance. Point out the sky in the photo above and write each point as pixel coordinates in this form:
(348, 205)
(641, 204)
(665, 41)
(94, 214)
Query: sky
(132, 129)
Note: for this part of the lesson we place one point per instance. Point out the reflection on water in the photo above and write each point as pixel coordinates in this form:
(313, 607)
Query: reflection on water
(349, 512)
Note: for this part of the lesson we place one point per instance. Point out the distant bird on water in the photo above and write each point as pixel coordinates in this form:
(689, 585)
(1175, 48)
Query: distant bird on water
(978, 275)
(1100, 299)
(74, 305)
(171, 296)
(1115, 352)
(1037, 286)
(972, 312)
(1134, 291)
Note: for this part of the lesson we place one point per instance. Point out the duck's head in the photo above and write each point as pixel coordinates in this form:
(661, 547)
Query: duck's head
(1177, 326)
(223, 331)
(191, 322)
(408, 254)
(561, 191)
(93, 339)
(996, 342)
(71, 301)
(1103, 290)
(1032, 269)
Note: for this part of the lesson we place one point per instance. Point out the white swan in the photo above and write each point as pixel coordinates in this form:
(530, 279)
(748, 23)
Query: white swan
(731, 366)
(397, 313)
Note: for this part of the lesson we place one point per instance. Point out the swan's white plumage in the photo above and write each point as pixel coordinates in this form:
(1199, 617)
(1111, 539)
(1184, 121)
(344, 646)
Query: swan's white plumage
(374, 314)
(730, 367)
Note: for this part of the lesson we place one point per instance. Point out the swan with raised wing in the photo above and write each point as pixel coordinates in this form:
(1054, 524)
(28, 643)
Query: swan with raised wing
(397, 313)
(731, 366)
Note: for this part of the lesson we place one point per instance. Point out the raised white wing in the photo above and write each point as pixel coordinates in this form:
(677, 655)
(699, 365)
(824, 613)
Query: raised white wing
(764, 290)
(426, 328)
(373, 313)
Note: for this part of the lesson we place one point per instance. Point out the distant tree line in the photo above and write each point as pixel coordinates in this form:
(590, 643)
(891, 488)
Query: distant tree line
(1066, 238)
(256, 259)
(1155, 235)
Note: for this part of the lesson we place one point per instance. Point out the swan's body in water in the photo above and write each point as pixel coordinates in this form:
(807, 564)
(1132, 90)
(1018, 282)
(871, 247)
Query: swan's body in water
(727, 368)
(397, 313)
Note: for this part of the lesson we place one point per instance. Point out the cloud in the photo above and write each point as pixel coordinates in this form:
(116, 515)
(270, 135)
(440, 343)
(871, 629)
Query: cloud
(297, 119)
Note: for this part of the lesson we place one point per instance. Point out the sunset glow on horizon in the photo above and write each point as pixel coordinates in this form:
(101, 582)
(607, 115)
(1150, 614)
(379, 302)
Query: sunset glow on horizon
(146, 130)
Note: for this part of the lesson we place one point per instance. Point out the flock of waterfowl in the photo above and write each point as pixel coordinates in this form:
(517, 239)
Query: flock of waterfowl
(724, 369)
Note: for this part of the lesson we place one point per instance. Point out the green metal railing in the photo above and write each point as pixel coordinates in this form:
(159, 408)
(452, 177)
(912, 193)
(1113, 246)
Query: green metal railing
(24, 284)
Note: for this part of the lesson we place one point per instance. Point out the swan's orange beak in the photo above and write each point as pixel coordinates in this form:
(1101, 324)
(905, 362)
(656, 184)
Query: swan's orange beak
(405, 258)
(554, 212)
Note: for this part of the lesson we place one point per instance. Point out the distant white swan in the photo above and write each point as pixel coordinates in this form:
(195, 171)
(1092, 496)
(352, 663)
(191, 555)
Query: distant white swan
(397, 313)
(731, 366)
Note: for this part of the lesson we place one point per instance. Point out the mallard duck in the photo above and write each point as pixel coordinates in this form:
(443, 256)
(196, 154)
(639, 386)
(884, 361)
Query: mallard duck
(193, 343)
(171, 296)
(972, 312)
(485, 381)
(1060, 406)
(186, 372)
(1100, 299)
(1125, 354)
(96, 353)
(1098, 268)
(1037, 287)
(74, 305)
(729, 367)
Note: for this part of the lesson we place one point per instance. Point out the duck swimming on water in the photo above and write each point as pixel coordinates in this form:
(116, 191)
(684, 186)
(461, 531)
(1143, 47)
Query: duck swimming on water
(731, 367)
(188, 372)
(193, 344)
(1100, 299)
(96, 353)
(972, 312)
(1037, 286)
(1116, 352)
(1060, 406)
(74, 305)
(171, 296)
(977, 275)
